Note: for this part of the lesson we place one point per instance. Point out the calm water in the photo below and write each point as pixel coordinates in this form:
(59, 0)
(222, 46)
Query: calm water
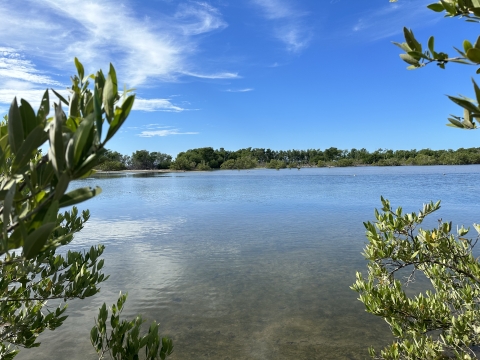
(249, 264)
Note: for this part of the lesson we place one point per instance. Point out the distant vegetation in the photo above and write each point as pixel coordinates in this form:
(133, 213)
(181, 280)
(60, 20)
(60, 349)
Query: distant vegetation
(207, 158)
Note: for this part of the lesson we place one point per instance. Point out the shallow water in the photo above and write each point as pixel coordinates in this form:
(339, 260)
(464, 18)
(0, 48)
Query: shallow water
(249, 264)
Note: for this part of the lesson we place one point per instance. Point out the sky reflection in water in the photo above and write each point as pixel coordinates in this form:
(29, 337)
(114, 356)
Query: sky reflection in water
(249, 265)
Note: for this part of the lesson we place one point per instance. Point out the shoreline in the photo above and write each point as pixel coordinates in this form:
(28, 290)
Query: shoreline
(154, 171)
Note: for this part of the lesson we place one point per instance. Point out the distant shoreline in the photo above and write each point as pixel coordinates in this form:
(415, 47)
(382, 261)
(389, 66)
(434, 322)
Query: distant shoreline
(262, 168)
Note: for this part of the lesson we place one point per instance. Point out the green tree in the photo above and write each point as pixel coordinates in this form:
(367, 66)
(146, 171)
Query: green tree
(443, 322)
(142, 160)
(112, 161)
(33, 188)
(161, 160)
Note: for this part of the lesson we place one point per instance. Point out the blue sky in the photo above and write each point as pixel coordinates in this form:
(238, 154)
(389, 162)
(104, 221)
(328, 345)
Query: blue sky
(277, 74)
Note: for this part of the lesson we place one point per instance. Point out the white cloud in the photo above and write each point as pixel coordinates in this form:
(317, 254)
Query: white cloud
(20, 78)
(14, 66)
(289, 25)
(275, 9)
(198, 18)
(221, 75)
(164, 132)
(239, 90)
(145, 50)
(294, 37)
(33, 96)
(156, 105)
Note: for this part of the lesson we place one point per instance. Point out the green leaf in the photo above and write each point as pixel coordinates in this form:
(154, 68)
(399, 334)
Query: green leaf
(44, 108)
(62, 99)
(411, 41)
(460, 61)
(467, 119)
(431, 45)
(473, 55)
(403, 46)
(52, 212)
(15, 126)
(448, 7)
(61, 186)
(80, 70)
(467, 45)
(73, 109)
(477, 91)
(80, 138)
(438, 7)
(460, 52)
(409, 60)
(33, 141)
(37, 239)
(56, 152)
(110, 91)
(455, 123)
(90, 162)
(477, 43)
(417, 55)
(97, 108)
(7, 206)
(121, 115)
(70, 154)
(28, 117)
(465, 104)
(78, 196)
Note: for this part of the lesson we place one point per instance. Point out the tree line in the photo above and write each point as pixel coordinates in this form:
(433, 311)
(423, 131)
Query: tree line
(207, 158)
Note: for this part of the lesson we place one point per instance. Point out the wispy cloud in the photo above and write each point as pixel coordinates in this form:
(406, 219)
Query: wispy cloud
(145, 50)
(389, 19)
(275, 9)
(221, 75)
(20, 78)
(198, 18)
(14, 66)
(167, 131)
(156, 105)
(289, 23)
(239, 90)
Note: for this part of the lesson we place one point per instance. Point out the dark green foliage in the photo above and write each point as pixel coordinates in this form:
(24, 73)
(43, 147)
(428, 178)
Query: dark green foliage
(182, 163)
(276, 164)
(203, 166)
(190, 159)
(111, 165)
(208, 158)
(145, 160)
(244, 162)
(228, 165)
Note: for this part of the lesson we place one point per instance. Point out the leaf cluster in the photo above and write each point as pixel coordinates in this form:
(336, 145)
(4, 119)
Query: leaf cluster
(124, 341)
(27, 284)
(33, 187)
(443, 322)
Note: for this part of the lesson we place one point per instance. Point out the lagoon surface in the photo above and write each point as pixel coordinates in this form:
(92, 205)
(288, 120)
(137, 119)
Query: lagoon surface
(249, 264)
